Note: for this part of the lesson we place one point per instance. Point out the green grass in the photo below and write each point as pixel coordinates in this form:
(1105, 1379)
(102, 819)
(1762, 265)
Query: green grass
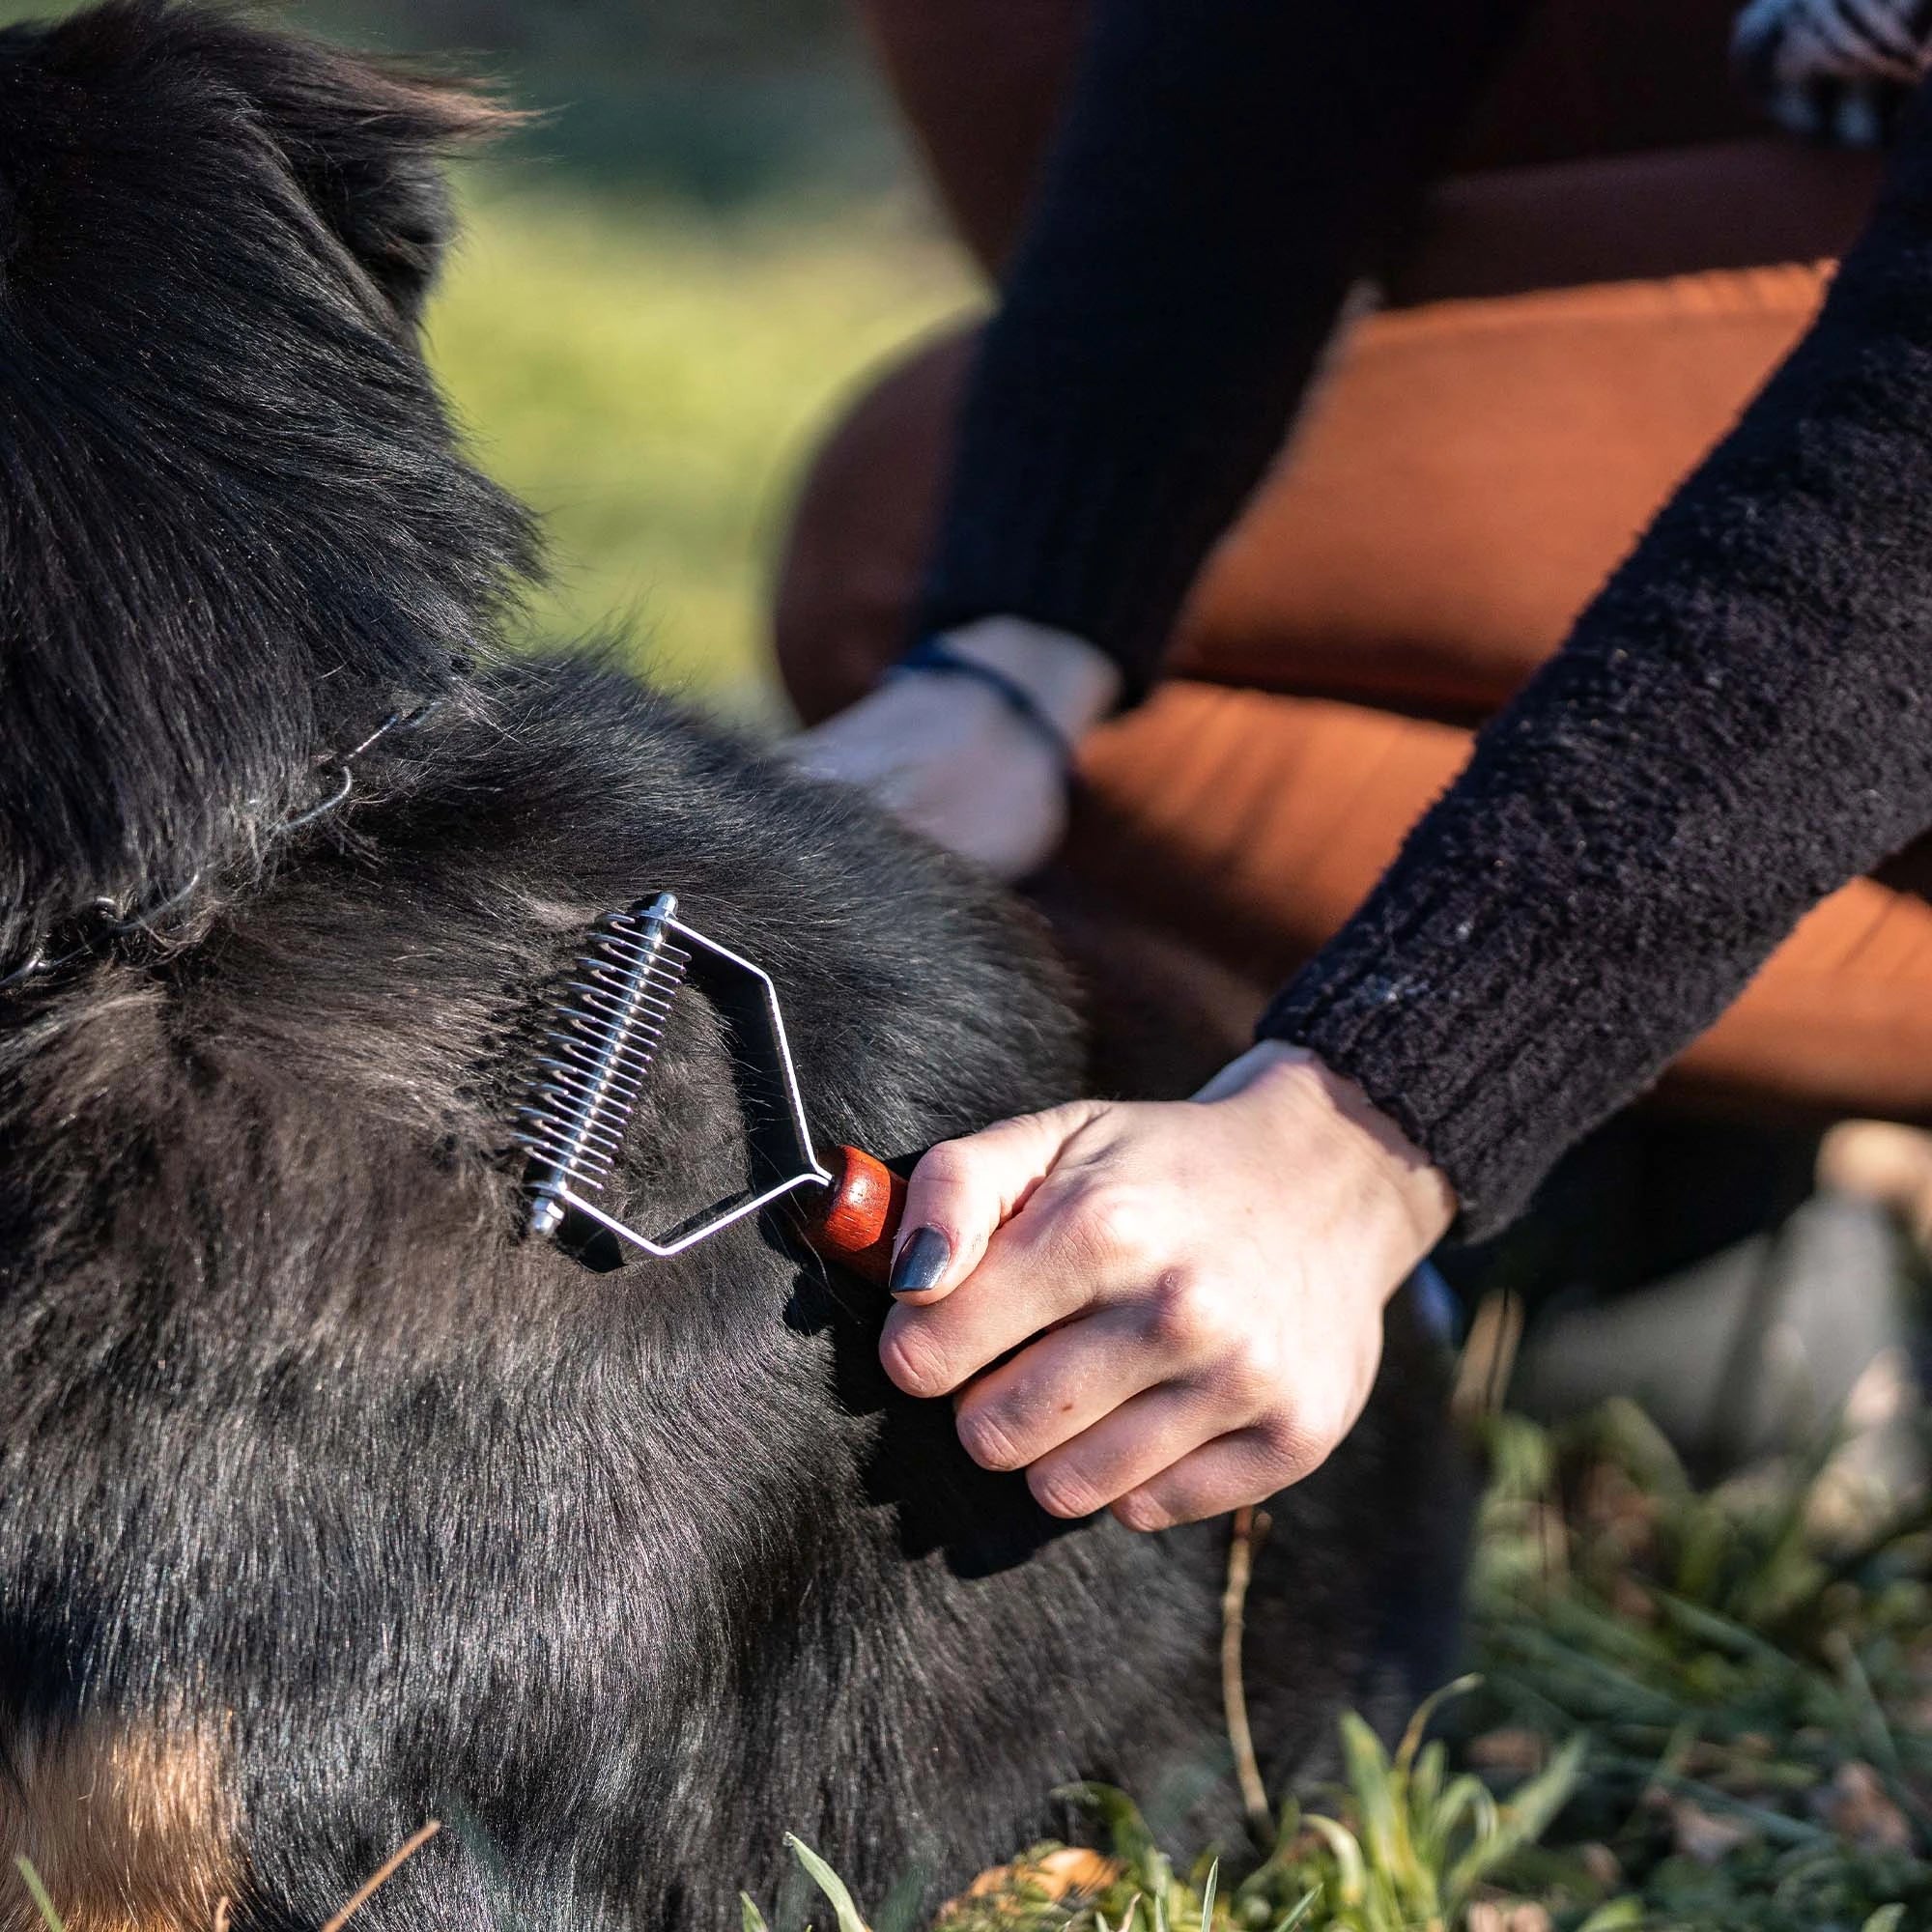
(652, 385)
(1752, 1668)
(1692, 1713)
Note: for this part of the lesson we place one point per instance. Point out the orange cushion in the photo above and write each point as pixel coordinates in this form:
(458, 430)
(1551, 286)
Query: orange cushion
(1275, 815)
(1469, 475)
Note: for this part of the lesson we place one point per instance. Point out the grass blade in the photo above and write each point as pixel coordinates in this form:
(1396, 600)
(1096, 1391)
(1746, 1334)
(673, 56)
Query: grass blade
(1522, 1820)
(39, 1894)
(1373, 1782)
(1351, 1873)
(1411, 1738)
(383, 1874)
(829, 1883)
(1127, 1836)
(1617, 1915)
(1297, 1914)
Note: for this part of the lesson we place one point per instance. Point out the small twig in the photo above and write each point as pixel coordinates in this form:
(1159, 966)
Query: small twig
(1488, 1359)
(1249, 1529)
(383, 1874)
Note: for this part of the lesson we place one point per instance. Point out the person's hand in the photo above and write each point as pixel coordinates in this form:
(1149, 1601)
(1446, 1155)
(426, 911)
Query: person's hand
(1195, 1289)
(950, 756)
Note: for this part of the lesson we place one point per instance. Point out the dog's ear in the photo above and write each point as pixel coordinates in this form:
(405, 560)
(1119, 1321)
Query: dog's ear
(362, 139)
(366, 141)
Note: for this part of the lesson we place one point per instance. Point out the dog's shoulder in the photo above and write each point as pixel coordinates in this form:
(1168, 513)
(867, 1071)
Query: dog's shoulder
(343, 1047)
(437, 911)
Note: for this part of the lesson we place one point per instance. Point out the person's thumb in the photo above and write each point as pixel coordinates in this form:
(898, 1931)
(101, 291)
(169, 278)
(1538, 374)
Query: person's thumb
(963, 1191)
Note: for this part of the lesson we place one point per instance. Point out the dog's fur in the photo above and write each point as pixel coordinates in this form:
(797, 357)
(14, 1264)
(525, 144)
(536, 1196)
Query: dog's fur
(328, 1504)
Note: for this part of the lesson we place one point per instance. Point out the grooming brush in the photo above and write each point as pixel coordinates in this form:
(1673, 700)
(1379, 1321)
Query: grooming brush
(590, 1075)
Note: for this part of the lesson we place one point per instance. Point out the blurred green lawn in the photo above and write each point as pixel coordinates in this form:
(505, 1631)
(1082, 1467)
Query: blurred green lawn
(651, 383)
(667, 284)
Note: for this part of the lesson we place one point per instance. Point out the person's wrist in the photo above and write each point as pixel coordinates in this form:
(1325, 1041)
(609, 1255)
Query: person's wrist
(1299, 1097)
(1075, 684)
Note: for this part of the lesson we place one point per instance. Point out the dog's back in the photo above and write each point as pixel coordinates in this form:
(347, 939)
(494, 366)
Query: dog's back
(327, 1506)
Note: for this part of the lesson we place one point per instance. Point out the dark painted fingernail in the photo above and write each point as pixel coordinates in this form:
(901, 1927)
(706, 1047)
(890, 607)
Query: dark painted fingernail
(924, 1256)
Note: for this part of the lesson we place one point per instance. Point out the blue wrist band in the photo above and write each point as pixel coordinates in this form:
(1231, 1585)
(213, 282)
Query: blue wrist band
(935, 654)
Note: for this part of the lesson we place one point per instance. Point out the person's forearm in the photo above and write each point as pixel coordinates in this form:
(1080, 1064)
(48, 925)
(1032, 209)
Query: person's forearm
(1739, 724)
(1226, 170)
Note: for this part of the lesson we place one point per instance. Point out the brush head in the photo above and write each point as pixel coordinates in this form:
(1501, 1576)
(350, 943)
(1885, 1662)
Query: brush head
(592, 1074)
(597, 1057)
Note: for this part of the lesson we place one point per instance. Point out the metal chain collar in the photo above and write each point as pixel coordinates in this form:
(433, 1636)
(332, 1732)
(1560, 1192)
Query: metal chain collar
(105, 920)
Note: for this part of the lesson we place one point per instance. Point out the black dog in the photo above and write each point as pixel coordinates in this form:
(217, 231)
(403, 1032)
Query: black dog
(328, 1504)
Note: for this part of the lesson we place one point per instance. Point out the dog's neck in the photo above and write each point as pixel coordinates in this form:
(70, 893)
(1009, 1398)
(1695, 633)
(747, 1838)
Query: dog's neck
(236, 523)
(152, 864)
(178, 670)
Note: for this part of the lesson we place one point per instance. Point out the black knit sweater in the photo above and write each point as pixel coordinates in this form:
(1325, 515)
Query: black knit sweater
(1226, 171)
(1741, 722)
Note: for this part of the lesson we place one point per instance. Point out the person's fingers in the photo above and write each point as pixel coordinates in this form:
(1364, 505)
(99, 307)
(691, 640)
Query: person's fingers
(1071, 1377)
(962, 1192)
(1029, 1281)
(1225, 1474)
(1074, 1241)
(1130, 1447)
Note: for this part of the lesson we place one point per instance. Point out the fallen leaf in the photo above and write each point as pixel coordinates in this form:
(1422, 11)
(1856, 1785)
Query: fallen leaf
(1858, 1809)
(1702, 1835)
(1514, 1748)
(1505, 1916)
(1604, 1865)
(1068, 1871)
(1631, 1601)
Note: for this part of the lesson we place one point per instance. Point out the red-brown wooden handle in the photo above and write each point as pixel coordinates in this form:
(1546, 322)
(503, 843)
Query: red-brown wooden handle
(855, 1221)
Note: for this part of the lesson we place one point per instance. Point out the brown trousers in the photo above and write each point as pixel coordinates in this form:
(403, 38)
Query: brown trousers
(1567, 336)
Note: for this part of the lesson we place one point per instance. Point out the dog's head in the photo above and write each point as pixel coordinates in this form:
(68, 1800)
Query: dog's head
(235, 523)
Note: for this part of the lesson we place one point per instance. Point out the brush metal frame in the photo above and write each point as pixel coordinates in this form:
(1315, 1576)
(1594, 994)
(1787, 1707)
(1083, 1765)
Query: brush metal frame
(746, 997)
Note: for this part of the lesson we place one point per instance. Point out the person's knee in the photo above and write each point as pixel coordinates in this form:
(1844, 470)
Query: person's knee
(849, 568)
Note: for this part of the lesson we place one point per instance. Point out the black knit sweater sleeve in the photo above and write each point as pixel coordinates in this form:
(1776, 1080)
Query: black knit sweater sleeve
(1225, 170)
(1741, 722)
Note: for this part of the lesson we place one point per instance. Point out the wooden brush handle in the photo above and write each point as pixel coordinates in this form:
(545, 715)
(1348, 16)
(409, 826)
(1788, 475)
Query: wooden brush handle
(855, 1221)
